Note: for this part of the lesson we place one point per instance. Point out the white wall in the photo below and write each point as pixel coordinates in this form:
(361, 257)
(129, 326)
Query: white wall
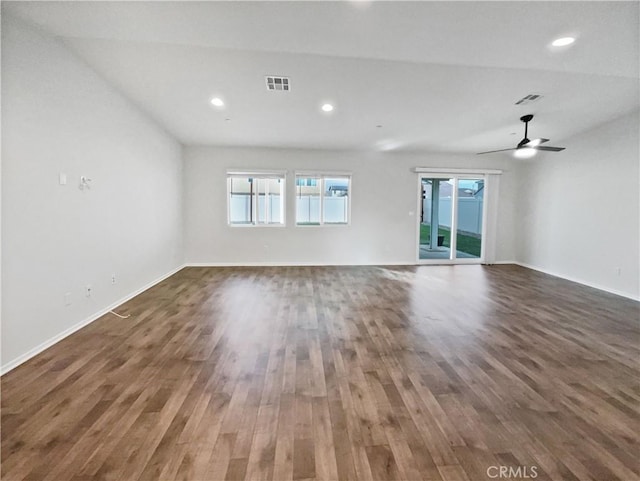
(59, 116)
(384, 192)
(579, 215)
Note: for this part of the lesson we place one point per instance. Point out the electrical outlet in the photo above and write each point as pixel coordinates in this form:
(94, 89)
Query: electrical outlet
(67, 299)
(87, 291)
(619, 270)
(113, 278)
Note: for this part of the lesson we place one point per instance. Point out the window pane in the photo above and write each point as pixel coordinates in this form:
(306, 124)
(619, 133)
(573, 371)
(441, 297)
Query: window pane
(276, 201)
(240, 201)
(308, 200)
(269, 195)
(261, 188)
(336, 200)
(307, 181)
(470, 203)
(256, 200)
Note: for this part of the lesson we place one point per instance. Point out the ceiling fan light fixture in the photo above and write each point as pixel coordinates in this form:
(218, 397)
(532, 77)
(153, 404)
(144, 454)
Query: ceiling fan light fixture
(563, 41)
(217, 102)
(524, 153)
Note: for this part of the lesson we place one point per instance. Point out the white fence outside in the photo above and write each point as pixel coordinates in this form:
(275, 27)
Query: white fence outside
(240, 208)
(307, 208)
(469, 213)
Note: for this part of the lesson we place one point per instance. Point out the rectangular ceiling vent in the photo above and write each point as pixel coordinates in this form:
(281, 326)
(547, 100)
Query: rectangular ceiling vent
(528, 99)
(278, 83)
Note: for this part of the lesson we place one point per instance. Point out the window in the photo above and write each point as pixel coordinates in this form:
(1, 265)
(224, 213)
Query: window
(256, 198)
(322, 199)
(308, 182)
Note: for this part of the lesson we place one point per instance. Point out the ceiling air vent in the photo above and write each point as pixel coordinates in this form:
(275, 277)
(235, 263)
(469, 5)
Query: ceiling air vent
(528, 99)
(278, 83)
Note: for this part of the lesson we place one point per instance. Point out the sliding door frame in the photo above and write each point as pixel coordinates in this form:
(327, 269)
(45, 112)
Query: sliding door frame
(456, 175)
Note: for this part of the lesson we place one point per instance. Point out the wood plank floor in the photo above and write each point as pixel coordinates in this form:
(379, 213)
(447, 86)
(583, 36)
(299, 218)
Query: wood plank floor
(337, 373)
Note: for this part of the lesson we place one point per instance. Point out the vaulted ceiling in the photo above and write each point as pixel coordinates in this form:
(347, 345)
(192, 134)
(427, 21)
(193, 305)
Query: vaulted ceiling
(436, 76)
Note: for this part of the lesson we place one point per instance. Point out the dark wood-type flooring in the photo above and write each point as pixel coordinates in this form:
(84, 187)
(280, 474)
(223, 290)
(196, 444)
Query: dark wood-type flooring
(337, 373)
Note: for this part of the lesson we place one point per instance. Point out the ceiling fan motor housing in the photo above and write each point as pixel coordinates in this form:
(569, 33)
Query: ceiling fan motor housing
(525, 141)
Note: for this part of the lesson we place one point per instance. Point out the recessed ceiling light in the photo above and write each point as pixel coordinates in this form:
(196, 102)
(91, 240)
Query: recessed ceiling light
(524, 153)
(563, 42)
(327, 108)
(217, 102)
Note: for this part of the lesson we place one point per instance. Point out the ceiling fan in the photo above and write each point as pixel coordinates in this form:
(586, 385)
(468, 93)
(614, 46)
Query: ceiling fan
(525, 143)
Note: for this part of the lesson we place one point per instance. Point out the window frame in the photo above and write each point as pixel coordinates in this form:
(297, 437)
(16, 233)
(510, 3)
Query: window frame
(259, 174)
(322, 176)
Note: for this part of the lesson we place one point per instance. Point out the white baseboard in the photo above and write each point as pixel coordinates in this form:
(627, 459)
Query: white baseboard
(319, 264)
(579, 281)
(67, 332)
(293, 264)
(569, 278)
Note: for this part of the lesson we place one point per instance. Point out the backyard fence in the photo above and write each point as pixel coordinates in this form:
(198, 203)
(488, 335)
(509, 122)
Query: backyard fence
(469, 213)
(307, 208)
(240, 208)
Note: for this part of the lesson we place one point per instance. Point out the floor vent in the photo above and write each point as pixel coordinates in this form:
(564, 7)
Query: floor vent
(278, 83)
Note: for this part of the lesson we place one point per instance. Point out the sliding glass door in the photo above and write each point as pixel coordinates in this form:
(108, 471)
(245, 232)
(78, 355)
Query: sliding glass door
(451, 221)
(436, 218)
(470, 217)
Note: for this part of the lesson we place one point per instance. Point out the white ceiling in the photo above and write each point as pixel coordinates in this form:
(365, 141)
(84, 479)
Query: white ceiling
(438, 76)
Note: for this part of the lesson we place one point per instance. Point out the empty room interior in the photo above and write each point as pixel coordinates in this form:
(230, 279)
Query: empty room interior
(309, 240)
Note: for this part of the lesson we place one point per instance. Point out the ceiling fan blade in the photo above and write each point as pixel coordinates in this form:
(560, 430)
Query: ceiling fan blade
(535, 142)
(549, 148)
(492, 151)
